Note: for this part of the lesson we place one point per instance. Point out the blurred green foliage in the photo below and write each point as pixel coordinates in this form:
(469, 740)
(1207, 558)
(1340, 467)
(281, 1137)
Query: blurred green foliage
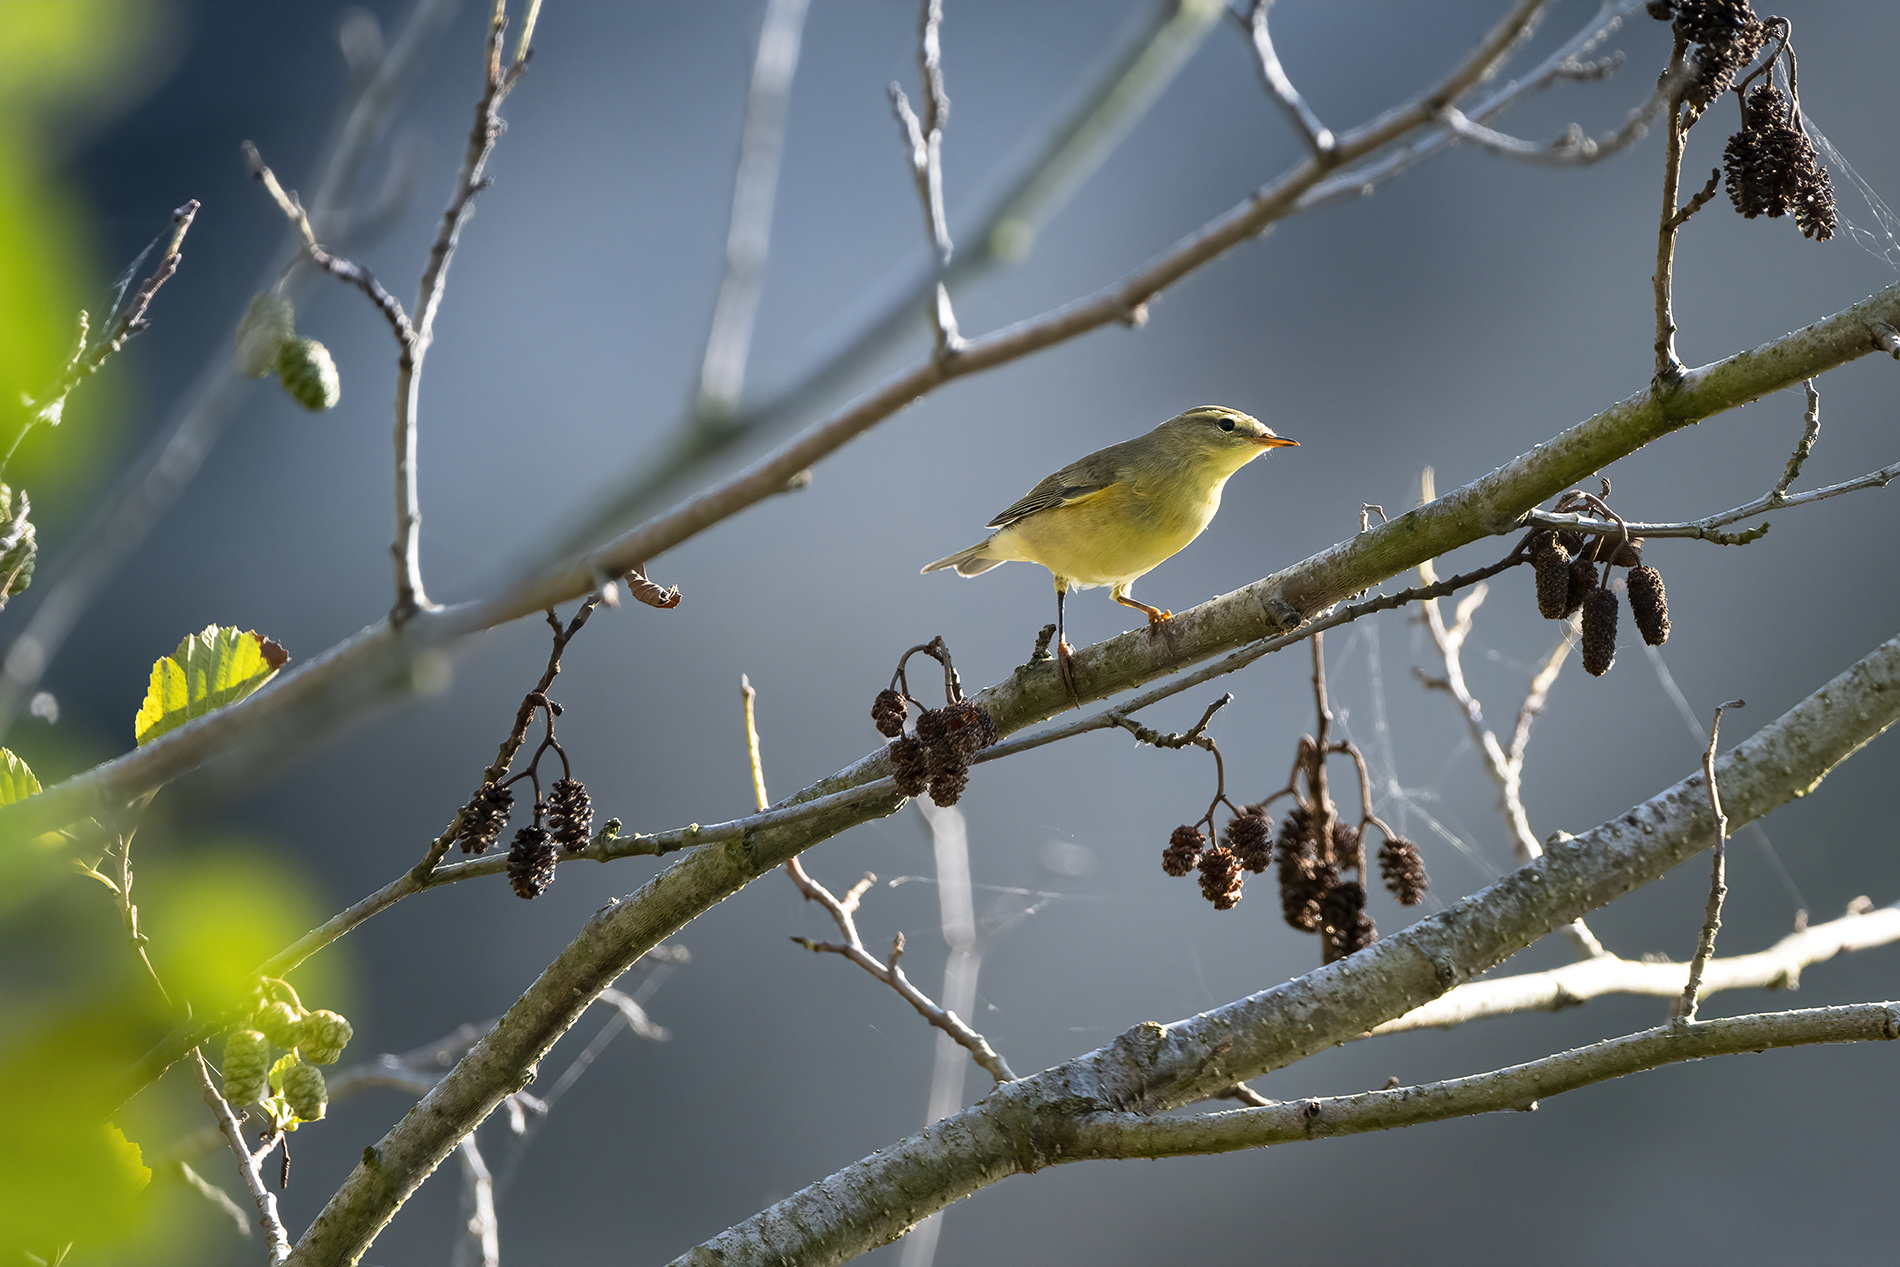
(82, 1175)
(60, 60)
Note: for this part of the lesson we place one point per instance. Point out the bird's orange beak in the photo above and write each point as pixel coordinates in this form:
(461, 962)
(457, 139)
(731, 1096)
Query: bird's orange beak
(1275, 442)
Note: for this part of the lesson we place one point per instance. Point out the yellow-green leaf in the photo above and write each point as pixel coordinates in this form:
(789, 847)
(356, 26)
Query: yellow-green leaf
(16, 781)
(218, 666)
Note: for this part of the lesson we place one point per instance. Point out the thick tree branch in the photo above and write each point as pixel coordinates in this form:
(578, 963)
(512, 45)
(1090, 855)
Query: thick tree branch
(1517, 1088)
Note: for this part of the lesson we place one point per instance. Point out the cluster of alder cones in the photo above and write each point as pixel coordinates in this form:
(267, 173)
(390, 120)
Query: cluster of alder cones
(1573, 575)
(1309, 864)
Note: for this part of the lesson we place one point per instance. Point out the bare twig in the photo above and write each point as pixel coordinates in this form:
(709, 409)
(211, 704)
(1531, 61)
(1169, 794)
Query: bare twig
(1679, 118)
(1776, 498)
(88, 355)
(1810, 432)
(1506, 767)
(1319, 137)
(749, 232)
(750, 697)
(129, 915)
(217, 1196)
(923, 138)
(276, 1239)
(479, 1244)
(842, 912)
(335, 265)
(499, 79)
(1779, 967)
(1517, 1088)
(1575, 148)
(1718, 881)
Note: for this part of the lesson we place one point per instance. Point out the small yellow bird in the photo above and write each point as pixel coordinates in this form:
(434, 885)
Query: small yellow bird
(1111, 517)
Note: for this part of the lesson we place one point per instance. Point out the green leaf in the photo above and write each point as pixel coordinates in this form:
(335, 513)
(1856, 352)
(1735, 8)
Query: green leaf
(218, 666)
(16, 781)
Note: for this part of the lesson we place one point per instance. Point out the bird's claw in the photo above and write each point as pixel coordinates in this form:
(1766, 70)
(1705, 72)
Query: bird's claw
(1065, 669)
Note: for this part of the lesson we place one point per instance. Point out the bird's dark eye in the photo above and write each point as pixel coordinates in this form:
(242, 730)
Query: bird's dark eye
(1226, 424)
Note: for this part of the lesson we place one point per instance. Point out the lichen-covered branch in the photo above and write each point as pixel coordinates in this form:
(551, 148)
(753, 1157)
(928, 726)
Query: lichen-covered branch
(1517, 1088)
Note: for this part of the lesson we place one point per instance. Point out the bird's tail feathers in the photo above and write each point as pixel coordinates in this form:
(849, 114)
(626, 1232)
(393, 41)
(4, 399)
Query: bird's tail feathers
(968, 562)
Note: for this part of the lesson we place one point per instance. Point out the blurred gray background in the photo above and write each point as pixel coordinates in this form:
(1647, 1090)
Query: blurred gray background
(1467, 311)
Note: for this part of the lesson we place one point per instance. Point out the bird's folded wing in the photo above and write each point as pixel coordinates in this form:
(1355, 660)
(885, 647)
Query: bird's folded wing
(1057, 490)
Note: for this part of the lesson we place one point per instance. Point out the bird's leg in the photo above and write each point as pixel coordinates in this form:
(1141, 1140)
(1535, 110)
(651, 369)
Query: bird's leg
(1156, 616)
(1065, 659)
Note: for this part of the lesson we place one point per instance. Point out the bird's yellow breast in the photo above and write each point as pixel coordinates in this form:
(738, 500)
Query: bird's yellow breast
(1112, 536)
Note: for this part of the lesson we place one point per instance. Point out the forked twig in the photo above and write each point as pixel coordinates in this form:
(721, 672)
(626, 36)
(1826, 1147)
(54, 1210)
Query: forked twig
(1718, 879)
(276, 1239)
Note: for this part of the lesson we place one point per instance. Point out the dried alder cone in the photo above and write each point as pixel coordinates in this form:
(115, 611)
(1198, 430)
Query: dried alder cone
(937, 755)
(1723, 35)
(1551, 561)
(1344, 924)
(1599, 631)
(1578, 567)
(1649, 604)
(1250, 839)
(484, 817)
(570, 814)
(1402, 871)
(531, 861)
(1772, 167)
(1184, 850)
(888, 712)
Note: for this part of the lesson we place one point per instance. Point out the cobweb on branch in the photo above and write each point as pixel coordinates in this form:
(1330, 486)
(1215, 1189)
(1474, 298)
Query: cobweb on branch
(1390, 796)
(1883, 239)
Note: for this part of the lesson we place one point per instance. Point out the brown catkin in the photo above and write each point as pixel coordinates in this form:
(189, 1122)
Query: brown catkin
(484, 817)
(947, 783)
(1343, 920)
(1649, 605)
(570, 814)
(1304, 880)
(910, 765)
(1583, 579)
(1551, 562)
(1726, 35)
(1599, 631)
(531, 861)
(1403, 871)
(1250, 839)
